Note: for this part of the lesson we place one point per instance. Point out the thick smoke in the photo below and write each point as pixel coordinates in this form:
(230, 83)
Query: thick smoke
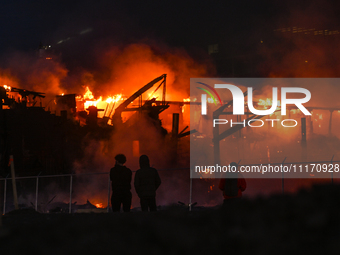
(137, 64)
(126, 69)
(34, 73)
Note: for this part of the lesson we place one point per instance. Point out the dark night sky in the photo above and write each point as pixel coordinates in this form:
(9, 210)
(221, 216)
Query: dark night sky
(192, 25)
(25, 23)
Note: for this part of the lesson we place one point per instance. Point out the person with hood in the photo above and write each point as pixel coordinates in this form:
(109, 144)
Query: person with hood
(233, 185)
(120, 177)
(146, 183)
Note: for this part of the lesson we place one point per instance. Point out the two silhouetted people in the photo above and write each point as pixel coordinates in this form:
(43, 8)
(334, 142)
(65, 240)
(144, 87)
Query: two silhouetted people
(120, 177)
(146, 183)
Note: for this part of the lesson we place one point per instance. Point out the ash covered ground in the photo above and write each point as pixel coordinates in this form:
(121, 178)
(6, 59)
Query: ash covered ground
(306, 222)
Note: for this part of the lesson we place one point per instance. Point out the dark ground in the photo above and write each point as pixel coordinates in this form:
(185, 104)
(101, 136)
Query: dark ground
(305, 223)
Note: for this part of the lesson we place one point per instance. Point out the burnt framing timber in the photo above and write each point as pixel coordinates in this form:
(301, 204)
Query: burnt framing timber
(124, 106)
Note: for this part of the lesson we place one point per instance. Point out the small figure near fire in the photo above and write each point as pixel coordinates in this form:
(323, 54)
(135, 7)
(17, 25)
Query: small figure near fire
(233, 185)
(120, 177)
(146, 183)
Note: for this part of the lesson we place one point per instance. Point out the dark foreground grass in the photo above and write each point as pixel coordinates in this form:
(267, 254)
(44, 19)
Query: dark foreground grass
(306, 223)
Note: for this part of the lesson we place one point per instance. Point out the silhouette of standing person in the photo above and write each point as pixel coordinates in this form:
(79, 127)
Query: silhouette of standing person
(146, 183)
(233, 185)
(120, 177)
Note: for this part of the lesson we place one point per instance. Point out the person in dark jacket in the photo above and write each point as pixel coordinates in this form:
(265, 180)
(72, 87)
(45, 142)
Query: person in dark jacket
(120, 177)
(234, 185)
(146, 183)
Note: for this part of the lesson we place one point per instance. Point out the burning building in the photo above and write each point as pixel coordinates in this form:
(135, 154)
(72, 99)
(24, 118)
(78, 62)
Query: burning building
(51, 138)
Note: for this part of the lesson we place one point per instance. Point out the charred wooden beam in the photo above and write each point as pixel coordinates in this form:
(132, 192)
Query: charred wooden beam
(128, 101)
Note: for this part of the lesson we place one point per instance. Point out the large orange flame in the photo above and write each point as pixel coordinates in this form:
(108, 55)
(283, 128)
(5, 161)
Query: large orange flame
(109, 103)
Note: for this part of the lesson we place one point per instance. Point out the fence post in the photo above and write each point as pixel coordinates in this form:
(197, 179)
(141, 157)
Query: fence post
(70, 205)
(14, 186)
(5, 195)
(108, 194)
(36, 192)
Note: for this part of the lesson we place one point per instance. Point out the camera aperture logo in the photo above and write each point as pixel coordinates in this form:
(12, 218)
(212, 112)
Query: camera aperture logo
(209, 93)
(238, 102)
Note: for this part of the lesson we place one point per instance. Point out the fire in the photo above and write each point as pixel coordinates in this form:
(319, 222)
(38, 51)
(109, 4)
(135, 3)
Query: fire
(99, 205)
(93, 102)
(7, 88)
(184, 107)
(152, 95)
(108, 104)
(88, 94)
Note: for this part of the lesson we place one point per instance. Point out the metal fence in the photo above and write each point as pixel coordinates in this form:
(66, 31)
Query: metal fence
(71, 176)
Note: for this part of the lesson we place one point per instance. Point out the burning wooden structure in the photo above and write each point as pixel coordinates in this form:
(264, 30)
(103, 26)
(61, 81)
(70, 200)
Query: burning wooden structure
(43, 141)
